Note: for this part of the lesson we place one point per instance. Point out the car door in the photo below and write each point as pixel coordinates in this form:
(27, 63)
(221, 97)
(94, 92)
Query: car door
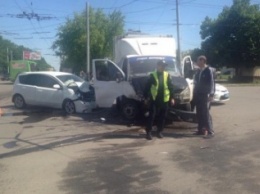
(46, 94)
(108, 82)
(27, 88)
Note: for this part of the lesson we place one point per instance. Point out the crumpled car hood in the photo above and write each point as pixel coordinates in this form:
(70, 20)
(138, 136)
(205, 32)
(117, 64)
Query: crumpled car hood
(83, 86)
(79, 86)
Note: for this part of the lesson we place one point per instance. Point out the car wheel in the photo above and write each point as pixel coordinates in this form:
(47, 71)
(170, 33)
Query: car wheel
(69, 107)
(19, 101)
(130, 109)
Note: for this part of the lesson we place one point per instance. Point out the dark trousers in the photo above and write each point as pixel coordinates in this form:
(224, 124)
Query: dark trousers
(203, 114)
(158, 112)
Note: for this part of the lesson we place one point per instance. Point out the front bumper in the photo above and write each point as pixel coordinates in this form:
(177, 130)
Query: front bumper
(84, 107)
(221, 97)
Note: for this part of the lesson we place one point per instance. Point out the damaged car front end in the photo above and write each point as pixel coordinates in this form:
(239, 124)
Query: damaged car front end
(79, 96)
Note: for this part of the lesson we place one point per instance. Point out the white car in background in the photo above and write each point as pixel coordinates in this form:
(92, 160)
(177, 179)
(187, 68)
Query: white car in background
(221, 94)
(53, 89)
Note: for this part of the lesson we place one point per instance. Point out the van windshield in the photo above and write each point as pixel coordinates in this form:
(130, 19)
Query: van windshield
(144, 65)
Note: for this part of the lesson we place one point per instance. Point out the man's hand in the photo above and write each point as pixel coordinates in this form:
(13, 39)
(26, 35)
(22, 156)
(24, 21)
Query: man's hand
(172, 102)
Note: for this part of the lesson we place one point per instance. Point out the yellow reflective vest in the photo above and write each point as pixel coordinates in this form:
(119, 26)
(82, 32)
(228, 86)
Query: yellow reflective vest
(154, 88)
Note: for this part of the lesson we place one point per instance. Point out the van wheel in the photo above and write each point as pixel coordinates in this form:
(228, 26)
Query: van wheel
(185, 107)
(19, 101)
(188, 107)
(69, 107)
(130, 109)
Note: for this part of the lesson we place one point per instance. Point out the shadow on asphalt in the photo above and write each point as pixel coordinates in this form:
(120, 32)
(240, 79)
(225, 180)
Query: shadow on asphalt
(104, 117)
(217, 104)
(74, 139)
(112, 168)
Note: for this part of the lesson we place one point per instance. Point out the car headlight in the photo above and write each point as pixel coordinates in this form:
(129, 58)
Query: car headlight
(186, 93)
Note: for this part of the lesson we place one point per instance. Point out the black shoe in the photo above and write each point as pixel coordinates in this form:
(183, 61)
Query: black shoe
(149, 136)
(159, 135)
(209, 136)
(198, 133)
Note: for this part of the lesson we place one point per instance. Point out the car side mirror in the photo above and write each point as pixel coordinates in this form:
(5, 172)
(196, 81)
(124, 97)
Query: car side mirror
(57, 86)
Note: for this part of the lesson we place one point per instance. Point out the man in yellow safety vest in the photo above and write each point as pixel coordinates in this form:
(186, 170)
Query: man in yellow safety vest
(159, 92)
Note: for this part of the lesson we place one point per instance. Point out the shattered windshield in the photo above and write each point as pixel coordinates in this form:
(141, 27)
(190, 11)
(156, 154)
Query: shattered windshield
(67, 79)
(140, 66)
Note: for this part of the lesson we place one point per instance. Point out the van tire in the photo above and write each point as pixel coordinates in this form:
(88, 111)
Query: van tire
(19, 101)
(130, 109)
(188, 107)
(69, 107)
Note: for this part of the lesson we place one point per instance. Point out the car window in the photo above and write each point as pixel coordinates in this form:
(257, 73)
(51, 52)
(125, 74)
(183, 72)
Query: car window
(45, 81)
(28, 79)
(23, 79)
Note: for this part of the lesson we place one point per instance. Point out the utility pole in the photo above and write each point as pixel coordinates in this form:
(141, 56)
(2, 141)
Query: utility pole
(178, 35)
(7, 55)
(8, 60)
(87, 43)
(11, 55)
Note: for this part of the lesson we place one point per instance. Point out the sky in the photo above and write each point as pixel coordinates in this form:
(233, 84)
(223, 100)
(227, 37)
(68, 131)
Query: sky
(155, 17)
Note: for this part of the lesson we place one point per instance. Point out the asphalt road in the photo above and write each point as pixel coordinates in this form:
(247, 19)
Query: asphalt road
(50, 153)
(5, 89)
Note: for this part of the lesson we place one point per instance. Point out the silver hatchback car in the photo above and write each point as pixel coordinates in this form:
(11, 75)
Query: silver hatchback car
(53, 89)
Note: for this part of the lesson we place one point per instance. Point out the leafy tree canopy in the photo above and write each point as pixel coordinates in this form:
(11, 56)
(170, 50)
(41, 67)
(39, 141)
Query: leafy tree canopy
(15, 52)
(233, 38)
(71, 38)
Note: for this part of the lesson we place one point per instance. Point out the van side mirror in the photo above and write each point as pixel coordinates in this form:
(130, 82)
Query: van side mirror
(119, 77)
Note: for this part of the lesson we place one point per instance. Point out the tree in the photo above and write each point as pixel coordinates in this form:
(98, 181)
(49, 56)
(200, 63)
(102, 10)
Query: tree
(71, 38)
(195, 53)
(15, 52)
(233, 39)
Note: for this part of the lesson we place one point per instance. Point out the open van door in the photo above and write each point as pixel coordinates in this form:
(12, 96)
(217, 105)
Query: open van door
(187, 67)
(108, 81)
(188, 73)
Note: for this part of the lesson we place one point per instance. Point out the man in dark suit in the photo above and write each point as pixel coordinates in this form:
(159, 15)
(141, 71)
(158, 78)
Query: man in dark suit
(204, 89)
